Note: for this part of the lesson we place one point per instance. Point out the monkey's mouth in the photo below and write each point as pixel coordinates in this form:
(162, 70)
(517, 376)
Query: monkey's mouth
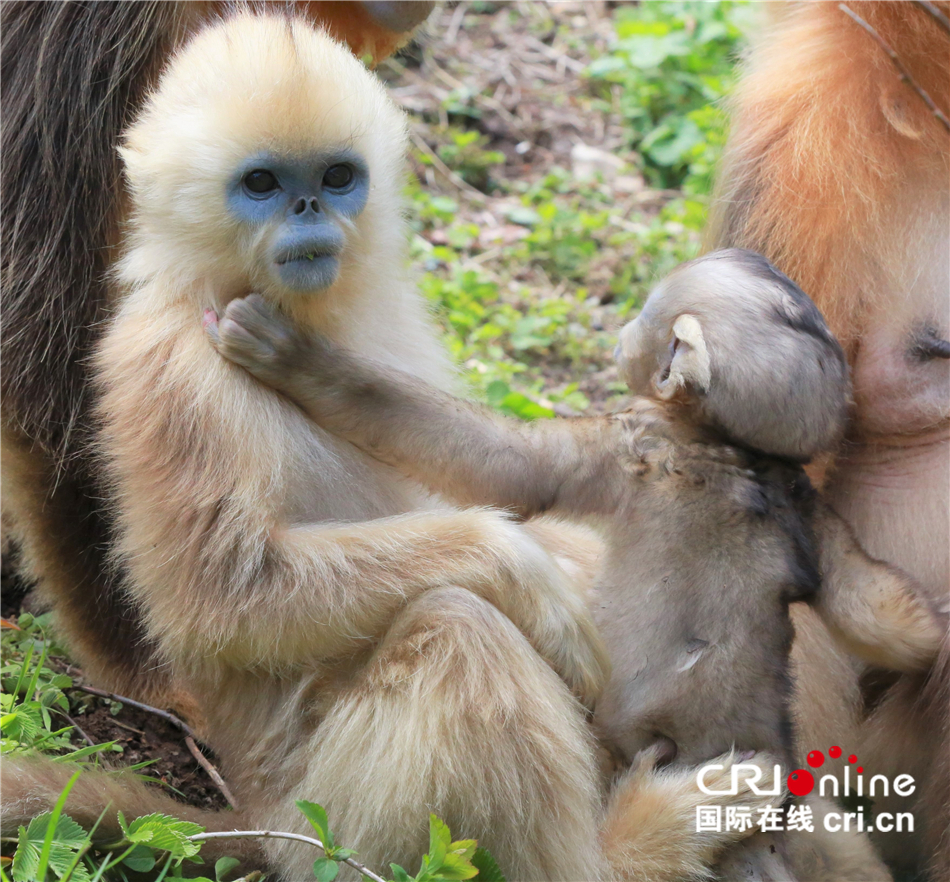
(309, 269)
(305, 257)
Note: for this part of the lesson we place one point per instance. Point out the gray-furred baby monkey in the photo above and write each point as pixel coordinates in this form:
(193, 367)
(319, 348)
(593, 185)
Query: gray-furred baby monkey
(697, 488)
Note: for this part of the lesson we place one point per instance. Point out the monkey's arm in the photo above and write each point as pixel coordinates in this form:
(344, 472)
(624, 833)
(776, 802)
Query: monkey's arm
(224, 565)
(344, 584)
(451, 446)
(876, 610)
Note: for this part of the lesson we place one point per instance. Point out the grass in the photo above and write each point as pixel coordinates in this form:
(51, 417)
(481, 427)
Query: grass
(531, 301)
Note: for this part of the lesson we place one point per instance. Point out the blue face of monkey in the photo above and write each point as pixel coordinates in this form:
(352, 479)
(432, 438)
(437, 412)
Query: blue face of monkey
(308, 200)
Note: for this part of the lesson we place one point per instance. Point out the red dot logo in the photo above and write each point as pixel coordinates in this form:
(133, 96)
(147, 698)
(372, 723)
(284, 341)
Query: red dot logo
(860, 769)
(834, 752)
(815, 759)
(801, 782)
(852, 759)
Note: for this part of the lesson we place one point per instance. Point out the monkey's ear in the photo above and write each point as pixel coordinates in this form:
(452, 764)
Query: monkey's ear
(688, 368)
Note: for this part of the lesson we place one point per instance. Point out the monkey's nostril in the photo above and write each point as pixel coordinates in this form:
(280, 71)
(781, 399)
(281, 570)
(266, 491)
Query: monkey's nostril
(315, 205)
(300, 206)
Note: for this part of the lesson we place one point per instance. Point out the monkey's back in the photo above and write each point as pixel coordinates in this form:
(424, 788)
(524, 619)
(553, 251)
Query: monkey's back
(709, 548)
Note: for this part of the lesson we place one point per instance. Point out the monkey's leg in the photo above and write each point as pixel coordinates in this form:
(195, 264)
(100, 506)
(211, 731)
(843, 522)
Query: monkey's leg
(320, 591)
(873, 608)
(454, 715)
(455, 448)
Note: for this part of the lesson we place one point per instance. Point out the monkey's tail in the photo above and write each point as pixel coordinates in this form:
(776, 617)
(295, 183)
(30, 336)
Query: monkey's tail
(32, 785)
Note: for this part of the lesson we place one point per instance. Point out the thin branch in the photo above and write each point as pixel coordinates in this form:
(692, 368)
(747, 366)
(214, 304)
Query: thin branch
(77, 727)
(296, 837)
(901, 69)
(938, 16)
(452, 33)
(213, 773)
(165, 715)
(554, 55)
(189, 733)
(127, 727)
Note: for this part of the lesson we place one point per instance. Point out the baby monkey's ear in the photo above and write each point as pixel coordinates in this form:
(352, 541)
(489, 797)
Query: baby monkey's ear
(688, 369)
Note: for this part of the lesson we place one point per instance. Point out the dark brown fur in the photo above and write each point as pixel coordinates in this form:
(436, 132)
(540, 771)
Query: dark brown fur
(72, 75)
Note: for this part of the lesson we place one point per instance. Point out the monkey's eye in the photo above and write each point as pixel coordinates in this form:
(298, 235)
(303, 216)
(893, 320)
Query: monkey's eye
(260, 181)
(336, 177)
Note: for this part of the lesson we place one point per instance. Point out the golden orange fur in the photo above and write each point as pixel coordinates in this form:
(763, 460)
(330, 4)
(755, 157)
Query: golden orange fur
(838, 172)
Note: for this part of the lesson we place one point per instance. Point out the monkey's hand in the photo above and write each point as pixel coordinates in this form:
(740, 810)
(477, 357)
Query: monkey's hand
(257, 336)
(879, 612)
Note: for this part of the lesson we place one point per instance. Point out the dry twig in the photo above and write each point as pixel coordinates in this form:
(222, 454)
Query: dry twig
(456, 179)
(901, 69)
(77, 727)
(164, 714)
(213, 773)
(180, 724)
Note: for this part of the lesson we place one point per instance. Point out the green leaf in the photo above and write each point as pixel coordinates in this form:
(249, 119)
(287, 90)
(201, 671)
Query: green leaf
(521, 406)
(65, 840)
(488, 869)
(456, 867)
(88, 750)
(26, 859)
(399, 874)
(668, 145)
(464, 848)
(53, 826)
(325, 870)
(165, 833)
(525, 217)
(341, 854)
(67, 832)
(141, 859)
(439, 841)
(223, 866)
(317, 816)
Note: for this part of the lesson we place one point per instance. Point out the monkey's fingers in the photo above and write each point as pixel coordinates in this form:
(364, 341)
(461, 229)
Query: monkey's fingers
(258, 317)
(876, 610)
(209, 324)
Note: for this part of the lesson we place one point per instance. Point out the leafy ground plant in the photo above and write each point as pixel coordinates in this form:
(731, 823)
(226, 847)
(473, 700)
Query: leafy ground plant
(54, 848)
(533, 263)
(35, 708)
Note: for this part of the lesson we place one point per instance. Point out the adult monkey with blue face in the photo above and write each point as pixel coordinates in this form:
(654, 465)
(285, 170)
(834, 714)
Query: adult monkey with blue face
(73, 74)
(350, 638)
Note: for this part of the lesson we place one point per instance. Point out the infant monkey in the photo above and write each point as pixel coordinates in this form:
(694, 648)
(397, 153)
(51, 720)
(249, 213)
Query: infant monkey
(697, 487)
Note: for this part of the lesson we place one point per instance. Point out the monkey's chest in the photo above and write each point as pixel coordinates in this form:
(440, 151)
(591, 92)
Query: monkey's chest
(330, 480)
